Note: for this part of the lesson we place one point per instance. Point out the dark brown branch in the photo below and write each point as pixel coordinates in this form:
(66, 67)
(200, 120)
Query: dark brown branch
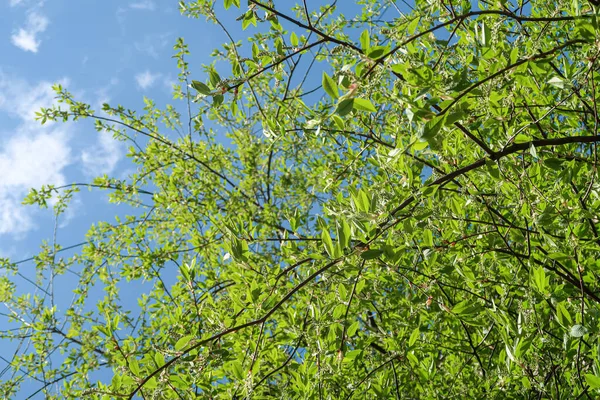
(307, 27)
(508, 68)
(235, 328)
(514, 148)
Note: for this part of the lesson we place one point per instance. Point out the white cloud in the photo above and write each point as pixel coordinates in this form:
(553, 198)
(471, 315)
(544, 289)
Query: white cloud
(20, 99)
(146, 79)
(13, 3)
(102, 158)
(34, 160)
(143, 5)
(29, 160)
(30, 155)
(26, 38)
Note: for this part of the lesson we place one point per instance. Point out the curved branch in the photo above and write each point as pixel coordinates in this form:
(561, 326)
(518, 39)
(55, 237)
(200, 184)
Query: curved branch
(236, 328)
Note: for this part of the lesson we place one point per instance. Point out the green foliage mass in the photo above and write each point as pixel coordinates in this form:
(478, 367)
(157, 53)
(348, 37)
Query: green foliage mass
(370, 200)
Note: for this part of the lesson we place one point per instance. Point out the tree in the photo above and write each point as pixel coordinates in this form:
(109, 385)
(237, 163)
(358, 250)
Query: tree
(405, 206)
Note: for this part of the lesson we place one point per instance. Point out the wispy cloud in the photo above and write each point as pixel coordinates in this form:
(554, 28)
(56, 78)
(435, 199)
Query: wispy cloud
(153, 44)
(103, 157)
(143, 5)
(146, 79)
(26, 38)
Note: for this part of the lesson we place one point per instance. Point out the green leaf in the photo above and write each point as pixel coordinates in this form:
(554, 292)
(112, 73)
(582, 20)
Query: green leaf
(363, 105)
(352, 329)
(377, 52)
(183, 342)
(559, 256)
(454, 117)
(215, 79)
(514, 55)
(328, 244)
(342, 292)
(431, 129)
(330, 86)
(371, 254)
(578, 331)
(592, 380)
(553, 163)
(218, 100)
(345, 106)
(365, 40)
(412, 27)
(229, 3)
(558, 82)
(486, 34)
(249, 19)
(236, 368)
(539, 275)
(427, 238)
(412, 358)
(413, 337)
(201, 88)
(294, 39)
(353, 354)
(339, 122)
(360, 286)
(585, 30)
(563, 315)
(466, 308)
(134, 367)
(343, 234)
(492, 168)
(522, 138)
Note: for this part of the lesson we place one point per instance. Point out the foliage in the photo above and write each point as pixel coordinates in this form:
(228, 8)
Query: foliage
(363, 201)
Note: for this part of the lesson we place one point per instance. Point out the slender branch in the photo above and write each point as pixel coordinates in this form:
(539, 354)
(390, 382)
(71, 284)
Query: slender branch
(237, 327)
(286, 362)
(514, 148)
(461, 18)
(508, 68)
(307, 27)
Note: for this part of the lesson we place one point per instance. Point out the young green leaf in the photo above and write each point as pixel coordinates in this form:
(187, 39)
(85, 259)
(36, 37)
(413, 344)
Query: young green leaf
(339, 122)
(201, 88)
(183, 342)
(376, 52)
(363, 105)
(344, 107)
(578, 331)
(365, 40)
(294, 39)
(328, 244)
(330, 86)
(371, 254)
(593, 381)
(413, 337)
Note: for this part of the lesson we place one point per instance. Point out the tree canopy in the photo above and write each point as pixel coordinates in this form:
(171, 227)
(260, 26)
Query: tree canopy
(370, 200)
